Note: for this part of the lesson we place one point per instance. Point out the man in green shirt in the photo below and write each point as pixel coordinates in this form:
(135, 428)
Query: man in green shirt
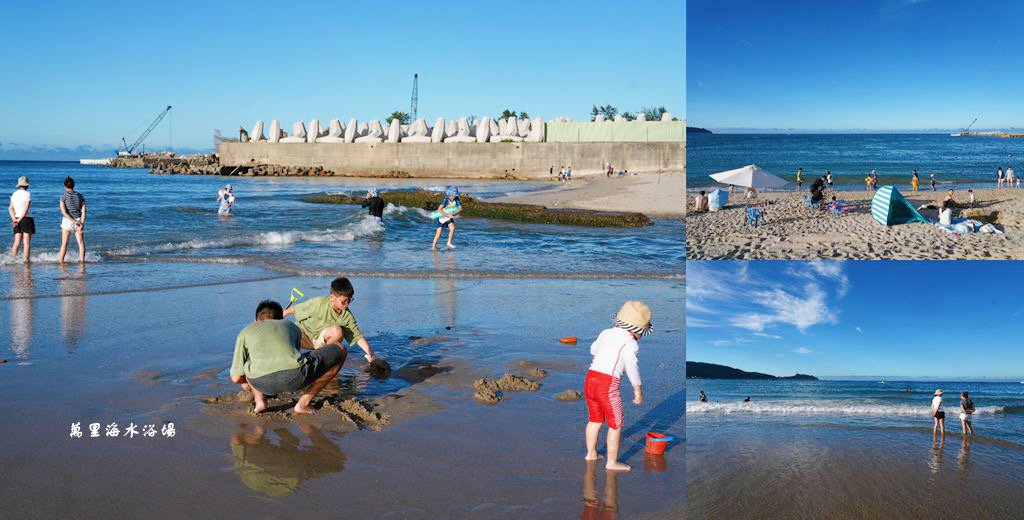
(326, 320)
(267, 360)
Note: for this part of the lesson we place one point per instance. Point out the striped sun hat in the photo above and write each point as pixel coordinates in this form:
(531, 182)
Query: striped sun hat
(635, 317)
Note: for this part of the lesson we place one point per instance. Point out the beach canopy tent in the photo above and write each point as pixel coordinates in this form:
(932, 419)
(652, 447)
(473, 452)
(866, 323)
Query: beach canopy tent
(889, 207)
(750, 176)
(717, 199)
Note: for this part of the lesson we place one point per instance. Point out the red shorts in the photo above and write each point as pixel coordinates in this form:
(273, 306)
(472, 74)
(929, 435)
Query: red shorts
(603, 401)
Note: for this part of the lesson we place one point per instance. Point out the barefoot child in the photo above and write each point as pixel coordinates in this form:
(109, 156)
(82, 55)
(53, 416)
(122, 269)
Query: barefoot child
(267, 360)
(614, 351)
(326, 320)
(451, 200)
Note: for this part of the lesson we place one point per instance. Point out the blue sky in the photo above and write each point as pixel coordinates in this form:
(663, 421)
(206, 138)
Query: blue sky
(869, 318)
(87, 73)
(855, 64)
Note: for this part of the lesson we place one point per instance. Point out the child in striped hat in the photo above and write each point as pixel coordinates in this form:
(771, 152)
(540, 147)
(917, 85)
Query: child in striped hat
(614, 351)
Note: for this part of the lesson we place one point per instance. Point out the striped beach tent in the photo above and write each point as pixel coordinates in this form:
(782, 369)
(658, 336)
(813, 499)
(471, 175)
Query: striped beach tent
(889, 207)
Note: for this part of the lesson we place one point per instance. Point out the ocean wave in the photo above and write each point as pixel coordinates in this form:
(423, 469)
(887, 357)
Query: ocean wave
(365, 227)
(845, 408)
(52, 257)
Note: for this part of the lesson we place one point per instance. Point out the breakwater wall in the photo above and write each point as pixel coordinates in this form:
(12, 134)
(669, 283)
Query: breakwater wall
(458, 160)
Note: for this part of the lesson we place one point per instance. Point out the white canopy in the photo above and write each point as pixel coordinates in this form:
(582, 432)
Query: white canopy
(750, 176)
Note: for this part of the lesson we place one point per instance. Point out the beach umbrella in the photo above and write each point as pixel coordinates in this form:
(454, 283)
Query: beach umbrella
(888, 207)
(750, 176)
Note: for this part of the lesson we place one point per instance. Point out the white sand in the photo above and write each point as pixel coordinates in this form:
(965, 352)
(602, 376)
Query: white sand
(791, 230)
(653, 194)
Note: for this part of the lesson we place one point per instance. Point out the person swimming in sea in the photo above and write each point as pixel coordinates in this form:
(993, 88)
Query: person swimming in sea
(374, 203)
(702, 397)
(747, 400)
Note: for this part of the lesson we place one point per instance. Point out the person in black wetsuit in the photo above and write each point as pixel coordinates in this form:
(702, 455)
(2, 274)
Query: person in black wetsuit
(375, 203)
(818, 190)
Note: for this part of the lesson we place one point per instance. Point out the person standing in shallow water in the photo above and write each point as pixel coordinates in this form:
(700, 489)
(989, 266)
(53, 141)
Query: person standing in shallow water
(966, 413)
(72, 210)
(24, 225)
(615, 351)
(938, 414)
(451, 202)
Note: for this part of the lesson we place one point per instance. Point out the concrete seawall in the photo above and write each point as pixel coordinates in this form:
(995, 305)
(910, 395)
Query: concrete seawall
(468, 160)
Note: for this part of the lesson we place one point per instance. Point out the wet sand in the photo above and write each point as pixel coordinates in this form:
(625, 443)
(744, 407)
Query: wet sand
(763, 471)
(152, 357)
(792, 231)
(653, 194)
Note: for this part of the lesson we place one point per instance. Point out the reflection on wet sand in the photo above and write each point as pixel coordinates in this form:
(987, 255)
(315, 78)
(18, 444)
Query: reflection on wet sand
(593, 507)
(935, 462)
(22, 314)
(446, 297)
(279, 469)
(964, 458)
(72, 308)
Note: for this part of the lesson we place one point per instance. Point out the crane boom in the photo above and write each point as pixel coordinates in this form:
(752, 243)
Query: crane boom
(415, 96)
(145, 134)
(970, 125)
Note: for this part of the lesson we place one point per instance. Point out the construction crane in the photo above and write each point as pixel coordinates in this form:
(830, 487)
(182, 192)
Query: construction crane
(415, 96)
(160, 117)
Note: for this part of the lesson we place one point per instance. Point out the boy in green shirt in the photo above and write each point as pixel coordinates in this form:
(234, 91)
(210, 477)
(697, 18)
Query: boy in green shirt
(267, 360)
(326, 320)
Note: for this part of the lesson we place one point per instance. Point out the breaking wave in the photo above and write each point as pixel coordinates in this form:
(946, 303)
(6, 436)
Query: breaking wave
(820, 408)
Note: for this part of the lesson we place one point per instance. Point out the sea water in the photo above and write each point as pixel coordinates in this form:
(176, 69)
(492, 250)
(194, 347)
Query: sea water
(958, 162)
(875, 404)
(154, 231)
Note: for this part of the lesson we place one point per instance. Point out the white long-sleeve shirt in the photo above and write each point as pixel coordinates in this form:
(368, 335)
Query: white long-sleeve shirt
(615, 351)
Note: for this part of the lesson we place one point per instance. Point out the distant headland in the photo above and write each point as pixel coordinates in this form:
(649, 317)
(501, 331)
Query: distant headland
(696, 130)
(697, 370)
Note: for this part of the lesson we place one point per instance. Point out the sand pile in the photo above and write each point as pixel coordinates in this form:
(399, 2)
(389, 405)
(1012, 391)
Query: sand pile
(490, 391)
(569, 395)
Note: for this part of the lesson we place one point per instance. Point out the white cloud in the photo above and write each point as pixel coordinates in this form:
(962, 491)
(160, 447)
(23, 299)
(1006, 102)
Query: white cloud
(858, 329)
(721, 343)
(803, 350)
(769, 336)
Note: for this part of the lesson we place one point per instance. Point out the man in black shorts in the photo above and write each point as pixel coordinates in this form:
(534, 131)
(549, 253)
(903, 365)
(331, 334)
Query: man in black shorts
(267, 360)
(374, 203)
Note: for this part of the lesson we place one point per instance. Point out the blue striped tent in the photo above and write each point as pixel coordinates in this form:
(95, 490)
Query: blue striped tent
(889, 207)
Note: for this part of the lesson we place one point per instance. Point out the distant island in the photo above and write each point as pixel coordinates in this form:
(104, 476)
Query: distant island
(696, 130)
(697, 370)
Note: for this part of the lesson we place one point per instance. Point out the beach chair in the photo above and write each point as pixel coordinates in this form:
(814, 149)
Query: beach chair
(755, 217)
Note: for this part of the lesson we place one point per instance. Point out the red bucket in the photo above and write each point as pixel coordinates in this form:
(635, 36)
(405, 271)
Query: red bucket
(656, 443)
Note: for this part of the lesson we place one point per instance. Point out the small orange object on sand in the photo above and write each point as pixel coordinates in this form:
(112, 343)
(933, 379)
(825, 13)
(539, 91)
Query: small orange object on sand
(571, 340)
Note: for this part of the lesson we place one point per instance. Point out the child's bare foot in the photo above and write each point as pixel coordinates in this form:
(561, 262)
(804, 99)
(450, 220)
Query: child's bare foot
(594, 456)
(260, 406)
(451, 246)
(617, 466)
(302, 410)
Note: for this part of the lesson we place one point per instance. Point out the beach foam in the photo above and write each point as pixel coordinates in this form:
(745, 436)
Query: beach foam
(846, 408)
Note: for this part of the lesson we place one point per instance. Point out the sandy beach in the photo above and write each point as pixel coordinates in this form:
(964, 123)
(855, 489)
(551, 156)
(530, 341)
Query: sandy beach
(792, 231)
(657, 195)
(417, 444)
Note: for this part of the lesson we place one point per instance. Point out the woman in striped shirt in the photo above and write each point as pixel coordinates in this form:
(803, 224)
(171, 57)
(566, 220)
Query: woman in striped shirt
(72, 208)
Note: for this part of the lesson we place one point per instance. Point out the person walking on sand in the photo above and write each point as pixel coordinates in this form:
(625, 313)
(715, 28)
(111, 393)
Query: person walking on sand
(799, 180)
(867, 183)
(828, 179)
(326, 319)
(24, 225)
(226, 199)
(450, 208)
(614, 351)
(551, 171)
(267, 360)
(914, 180)
(938, 414)
(72, 210)
(932, 180)
(966, 412)
(999, 176)
(374, 203)
(568, 174)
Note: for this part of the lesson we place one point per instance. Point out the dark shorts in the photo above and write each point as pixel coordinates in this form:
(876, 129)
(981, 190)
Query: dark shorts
(26, 225)
(318, 362)
(940, 415)
(450, 221)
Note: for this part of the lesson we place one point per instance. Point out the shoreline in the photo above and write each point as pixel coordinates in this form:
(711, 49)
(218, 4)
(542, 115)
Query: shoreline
(793, 232)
